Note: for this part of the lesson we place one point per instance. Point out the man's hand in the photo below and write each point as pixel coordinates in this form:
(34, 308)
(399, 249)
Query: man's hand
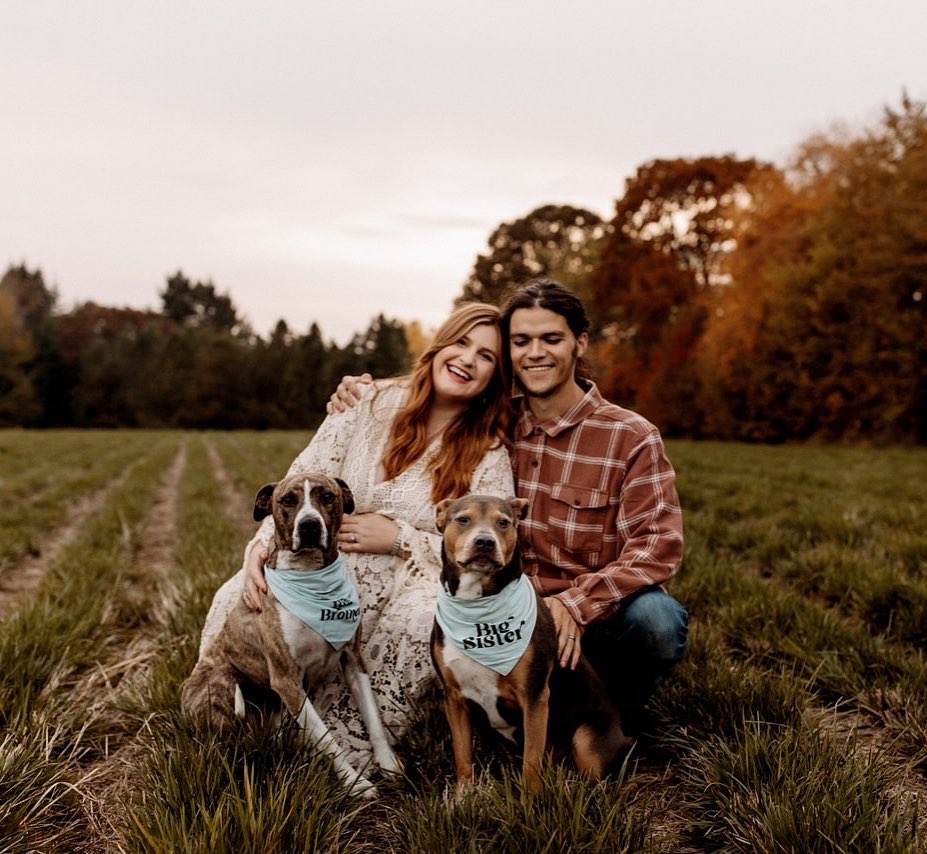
(569, 633)
(347, 393)
(367, 532)
(255, 583)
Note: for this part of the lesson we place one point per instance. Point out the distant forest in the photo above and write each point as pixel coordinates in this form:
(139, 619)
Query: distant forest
(730, 299)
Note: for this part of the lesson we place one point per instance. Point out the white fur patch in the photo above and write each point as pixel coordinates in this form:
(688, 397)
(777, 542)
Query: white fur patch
(306, 646)
(308, 511)
(239, 703)
(470, 586)
(478, 684)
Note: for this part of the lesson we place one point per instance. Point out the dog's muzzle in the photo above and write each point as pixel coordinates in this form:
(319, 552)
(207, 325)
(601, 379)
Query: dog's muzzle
(309, 534)
(483, 553)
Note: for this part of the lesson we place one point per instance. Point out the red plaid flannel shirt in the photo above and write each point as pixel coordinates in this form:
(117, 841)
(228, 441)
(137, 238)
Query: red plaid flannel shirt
(604, 519)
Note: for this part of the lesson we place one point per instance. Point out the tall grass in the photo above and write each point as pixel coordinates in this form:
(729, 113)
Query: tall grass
(775, 788)
(62, 634)
(796, 722)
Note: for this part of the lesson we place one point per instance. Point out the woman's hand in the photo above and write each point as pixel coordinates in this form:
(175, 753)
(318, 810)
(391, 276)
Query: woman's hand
(347, 393)
(255, 583)
(367, 532)
(569, 633)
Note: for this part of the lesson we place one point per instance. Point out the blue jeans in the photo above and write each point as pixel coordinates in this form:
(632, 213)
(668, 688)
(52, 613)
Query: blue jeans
(634, 650)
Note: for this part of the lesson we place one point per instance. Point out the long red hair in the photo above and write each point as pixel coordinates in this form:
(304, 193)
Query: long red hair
(482, 425)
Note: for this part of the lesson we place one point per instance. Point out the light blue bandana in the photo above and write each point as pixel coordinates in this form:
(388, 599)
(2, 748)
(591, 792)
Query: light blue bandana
(324, 599)
(493, 630)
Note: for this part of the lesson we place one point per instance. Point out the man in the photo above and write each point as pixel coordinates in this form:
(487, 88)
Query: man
(604, 526)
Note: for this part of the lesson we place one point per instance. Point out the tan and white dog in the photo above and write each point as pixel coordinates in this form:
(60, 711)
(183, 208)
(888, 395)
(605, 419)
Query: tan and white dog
(494, 646)
(274, 648)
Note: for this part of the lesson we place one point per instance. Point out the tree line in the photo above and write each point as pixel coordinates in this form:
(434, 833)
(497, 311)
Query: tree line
(729, 298)
(195, 363)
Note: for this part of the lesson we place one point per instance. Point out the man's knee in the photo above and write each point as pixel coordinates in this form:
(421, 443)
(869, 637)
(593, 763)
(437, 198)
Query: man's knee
(659, 627)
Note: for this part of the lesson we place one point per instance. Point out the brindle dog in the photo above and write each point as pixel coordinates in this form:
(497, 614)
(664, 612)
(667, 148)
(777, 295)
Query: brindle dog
(273, 648)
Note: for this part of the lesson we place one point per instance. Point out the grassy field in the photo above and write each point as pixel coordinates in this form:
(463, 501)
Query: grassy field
(797, 721)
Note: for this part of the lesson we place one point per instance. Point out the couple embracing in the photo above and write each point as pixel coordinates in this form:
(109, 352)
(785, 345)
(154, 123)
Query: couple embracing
(603, 529)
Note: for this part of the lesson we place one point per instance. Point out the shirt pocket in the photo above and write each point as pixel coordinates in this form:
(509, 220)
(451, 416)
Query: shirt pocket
(577, 517)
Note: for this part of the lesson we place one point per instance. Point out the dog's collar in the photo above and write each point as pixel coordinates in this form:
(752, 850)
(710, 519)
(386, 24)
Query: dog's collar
(324, 599)
(494, 630)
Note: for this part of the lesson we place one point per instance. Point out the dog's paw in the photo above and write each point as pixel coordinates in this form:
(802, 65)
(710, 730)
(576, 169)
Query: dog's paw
(389, 763)
(362, 787)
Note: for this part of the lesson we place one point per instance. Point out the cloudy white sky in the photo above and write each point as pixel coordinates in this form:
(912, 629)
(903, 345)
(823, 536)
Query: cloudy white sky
(329, 161)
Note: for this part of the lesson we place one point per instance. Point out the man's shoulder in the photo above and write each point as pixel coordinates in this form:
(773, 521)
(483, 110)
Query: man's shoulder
(607, 413)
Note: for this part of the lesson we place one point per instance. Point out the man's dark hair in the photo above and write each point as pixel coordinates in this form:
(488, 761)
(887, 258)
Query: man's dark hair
(546, 293)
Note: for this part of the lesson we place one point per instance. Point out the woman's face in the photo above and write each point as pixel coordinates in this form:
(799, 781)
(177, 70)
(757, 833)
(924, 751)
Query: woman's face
(462, 370)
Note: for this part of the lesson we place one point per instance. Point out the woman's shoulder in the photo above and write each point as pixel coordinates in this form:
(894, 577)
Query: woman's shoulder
(388, 394)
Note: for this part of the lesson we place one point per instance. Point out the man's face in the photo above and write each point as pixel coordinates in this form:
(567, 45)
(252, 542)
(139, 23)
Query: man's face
(544, 351)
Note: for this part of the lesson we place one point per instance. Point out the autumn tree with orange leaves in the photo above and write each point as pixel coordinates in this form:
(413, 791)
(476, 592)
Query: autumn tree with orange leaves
(665, 254)
(823, 330)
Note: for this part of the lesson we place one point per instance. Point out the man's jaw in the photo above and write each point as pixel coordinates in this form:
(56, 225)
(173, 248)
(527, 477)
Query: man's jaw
(536, 372)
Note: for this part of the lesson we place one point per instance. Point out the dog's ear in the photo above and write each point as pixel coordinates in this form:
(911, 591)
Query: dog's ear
(263, 502)
(441, 513)
(347, 497)
(520, 507)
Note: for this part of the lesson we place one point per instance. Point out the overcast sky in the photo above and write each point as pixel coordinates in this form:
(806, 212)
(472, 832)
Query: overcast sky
(329, 161)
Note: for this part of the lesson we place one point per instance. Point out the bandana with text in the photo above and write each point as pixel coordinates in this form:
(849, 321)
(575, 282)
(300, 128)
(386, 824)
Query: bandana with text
(494, 630)
(325, 599)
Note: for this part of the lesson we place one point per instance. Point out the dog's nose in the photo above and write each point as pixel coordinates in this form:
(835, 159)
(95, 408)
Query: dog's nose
(310, 532)
(484, 543)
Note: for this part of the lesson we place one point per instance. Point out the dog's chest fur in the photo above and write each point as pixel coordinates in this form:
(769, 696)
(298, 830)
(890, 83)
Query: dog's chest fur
(479, 684)
(307, 647)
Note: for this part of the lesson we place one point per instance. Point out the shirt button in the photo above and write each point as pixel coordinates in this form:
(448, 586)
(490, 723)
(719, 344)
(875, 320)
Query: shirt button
(576, 502)
(534, 464)
(537, 431)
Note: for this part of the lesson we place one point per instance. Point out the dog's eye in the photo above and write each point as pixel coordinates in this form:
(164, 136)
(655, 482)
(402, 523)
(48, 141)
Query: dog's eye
(328, 497)
(288, 500)
(463, 521)
(503, 523)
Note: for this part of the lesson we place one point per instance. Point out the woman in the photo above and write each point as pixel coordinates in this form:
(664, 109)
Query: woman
(409, 443)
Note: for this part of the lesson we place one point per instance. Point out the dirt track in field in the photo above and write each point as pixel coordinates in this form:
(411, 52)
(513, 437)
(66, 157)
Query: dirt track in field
(24, 577)
(107, 783)
(237, 502)
(110, 781)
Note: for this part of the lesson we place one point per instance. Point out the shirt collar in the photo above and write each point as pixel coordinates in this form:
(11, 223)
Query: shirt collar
(581, 410)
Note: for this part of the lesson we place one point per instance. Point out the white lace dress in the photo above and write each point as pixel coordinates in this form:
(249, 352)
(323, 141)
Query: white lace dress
(398, 596)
